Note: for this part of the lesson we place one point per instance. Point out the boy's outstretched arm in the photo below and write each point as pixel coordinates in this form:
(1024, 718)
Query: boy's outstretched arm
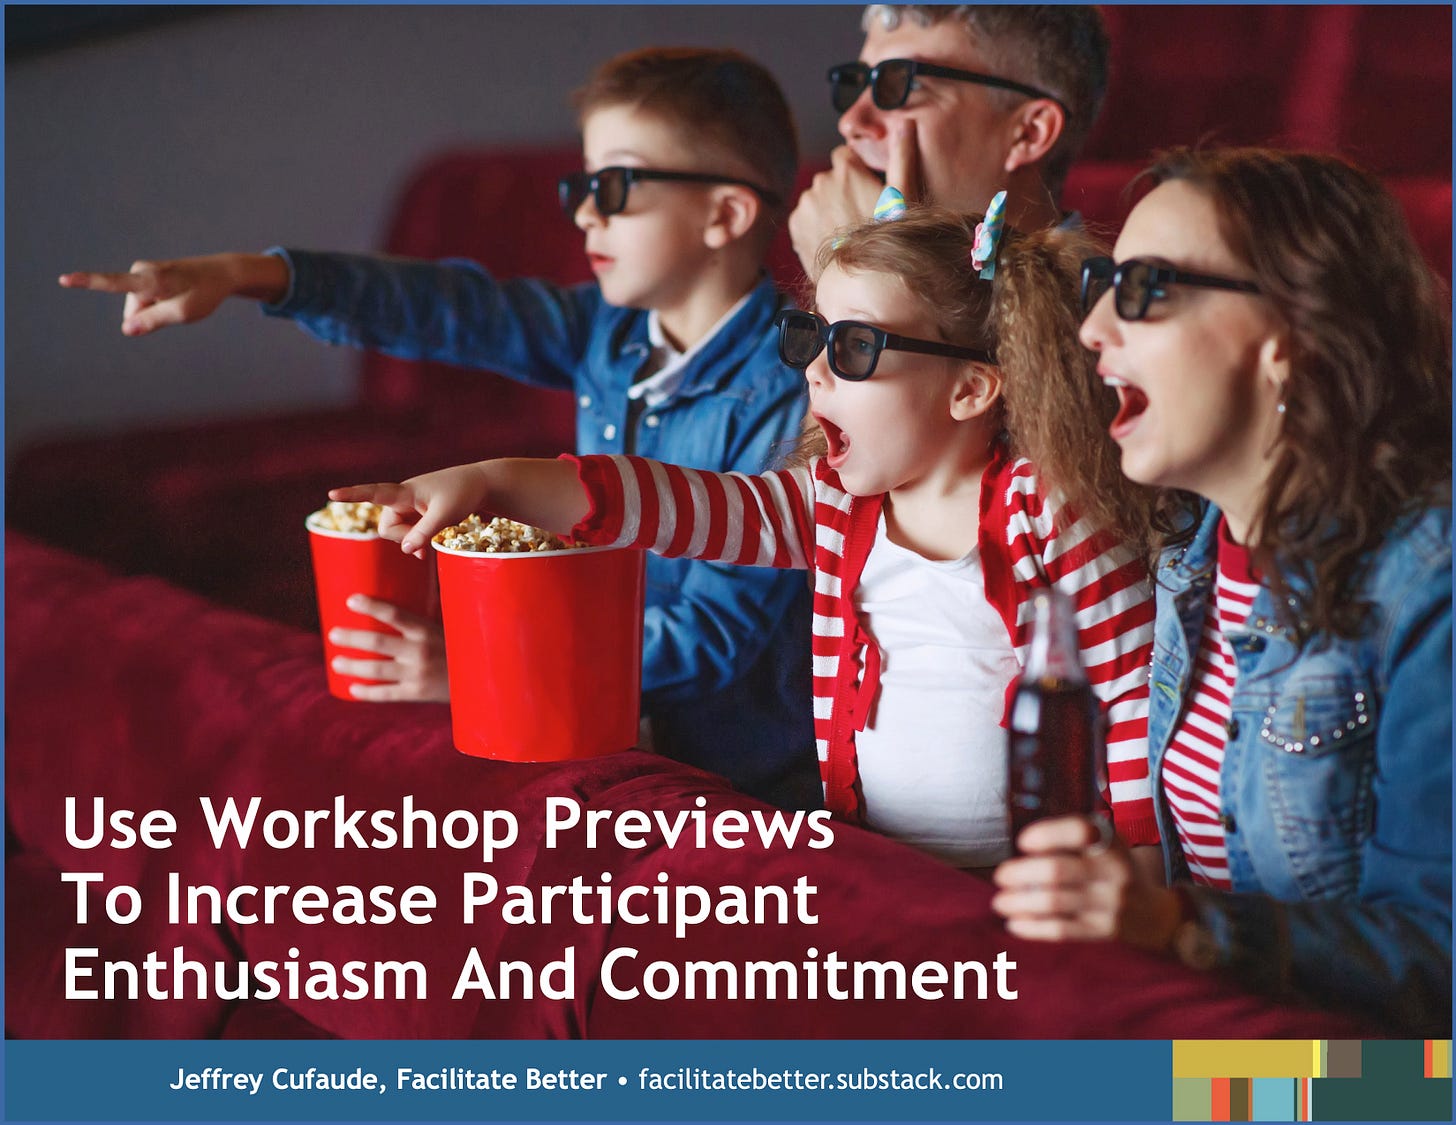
(536, 491)
(161, 294)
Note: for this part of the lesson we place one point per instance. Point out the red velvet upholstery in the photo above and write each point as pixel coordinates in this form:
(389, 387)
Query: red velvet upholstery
(1395, 109)
(1373, 81)
(1179, 75)
(172, 698)
(156, 494)
(40, 923)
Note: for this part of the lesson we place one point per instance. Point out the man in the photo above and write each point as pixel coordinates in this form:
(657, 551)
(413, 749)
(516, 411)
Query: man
(1028, 82)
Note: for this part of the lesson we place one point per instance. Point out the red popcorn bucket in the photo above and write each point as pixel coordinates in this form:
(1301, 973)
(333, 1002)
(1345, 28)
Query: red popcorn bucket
(360, 562)
(544, 651)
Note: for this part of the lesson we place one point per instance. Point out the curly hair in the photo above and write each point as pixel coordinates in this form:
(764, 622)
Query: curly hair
(1366, 434)
(1055, 410)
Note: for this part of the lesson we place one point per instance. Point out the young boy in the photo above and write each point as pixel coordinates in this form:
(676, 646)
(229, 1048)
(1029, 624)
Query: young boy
(690, 158)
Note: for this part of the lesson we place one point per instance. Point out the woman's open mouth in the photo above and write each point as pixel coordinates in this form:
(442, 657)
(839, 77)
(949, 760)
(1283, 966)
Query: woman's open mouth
(1131, 403)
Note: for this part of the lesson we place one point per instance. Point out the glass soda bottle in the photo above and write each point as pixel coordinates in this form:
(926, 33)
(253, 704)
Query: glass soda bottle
(1057, 753)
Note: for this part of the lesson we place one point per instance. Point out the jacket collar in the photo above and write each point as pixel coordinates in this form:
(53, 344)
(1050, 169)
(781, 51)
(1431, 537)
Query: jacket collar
(1185, 565)
(1193, 566)
(715, 362)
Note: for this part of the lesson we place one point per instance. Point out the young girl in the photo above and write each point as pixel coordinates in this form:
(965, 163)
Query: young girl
(960, 462)
(1283, 360)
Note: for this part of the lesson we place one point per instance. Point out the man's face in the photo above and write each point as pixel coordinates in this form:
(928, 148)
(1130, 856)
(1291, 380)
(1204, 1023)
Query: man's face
(963, 134)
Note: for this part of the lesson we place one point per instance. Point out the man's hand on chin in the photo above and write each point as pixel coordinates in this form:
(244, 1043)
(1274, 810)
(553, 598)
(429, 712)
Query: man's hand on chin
(845, 195)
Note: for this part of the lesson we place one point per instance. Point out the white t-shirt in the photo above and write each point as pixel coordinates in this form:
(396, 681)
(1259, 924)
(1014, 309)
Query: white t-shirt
(659, 378)
(932, 758)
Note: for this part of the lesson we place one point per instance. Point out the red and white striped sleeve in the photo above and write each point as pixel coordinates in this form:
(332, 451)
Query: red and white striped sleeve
(764, 520)
(1109, 587)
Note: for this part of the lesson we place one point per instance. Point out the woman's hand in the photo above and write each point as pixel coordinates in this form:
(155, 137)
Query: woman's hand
(410, 661)
(1073, 883)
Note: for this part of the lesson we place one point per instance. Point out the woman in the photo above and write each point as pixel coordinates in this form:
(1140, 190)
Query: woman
(1282, 360)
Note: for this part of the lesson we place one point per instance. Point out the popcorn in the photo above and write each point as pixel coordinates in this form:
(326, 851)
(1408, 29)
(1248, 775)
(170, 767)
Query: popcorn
(338, 515)
(500, 536)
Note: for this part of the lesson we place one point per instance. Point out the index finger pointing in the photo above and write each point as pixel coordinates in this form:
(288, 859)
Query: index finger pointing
(385, 495)
(104, 282)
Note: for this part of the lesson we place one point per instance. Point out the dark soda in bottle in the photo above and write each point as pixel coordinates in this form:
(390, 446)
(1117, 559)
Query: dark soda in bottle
(1056, 750)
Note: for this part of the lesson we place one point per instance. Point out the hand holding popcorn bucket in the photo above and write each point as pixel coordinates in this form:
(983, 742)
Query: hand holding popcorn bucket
(350, 558)
(543, 642)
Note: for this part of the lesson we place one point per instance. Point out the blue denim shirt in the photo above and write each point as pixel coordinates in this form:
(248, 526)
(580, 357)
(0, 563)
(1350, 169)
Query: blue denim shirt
(1335, 786)
(726, 673)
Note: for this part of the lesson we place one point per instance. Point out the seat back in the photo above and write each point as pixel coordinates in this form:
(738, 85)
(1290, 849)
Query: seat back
(497, 207)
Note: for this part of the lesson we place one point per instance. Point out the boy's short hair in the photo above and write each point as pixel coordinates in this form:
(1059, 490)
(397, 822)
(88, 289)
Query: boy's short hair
(1062, 49)
(722, 101)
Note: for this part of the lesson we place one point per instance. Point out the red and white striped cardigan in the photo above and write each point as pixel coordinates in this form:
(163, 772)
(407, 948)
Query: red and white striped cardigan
(804, 517)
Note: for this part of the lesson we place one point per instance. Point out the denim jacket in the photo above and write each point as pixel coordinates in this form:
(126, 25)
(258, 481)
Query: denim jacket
(1335, 786)
(725, 675)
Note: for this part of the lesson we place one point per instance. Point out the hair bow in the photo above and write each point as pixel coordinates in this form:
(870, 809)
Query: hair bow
(988, 236)
(890, 206)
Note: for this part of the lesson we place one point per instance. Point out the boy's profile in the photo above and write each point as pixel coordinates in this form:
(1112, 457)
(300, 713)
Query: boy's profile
(689, 160)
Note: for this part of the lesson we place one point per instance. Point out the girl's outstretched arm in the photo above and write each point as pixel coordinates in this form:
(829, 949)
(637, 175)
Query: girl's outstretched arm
(764, 520)
(542, 492)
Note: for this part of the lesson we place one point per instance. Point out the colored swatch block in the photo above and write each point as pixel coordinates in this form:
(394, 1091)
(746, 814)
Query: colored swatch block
(1247, 1058)
(1438, 1058)
(1364, 1099)
(1312, 1080)
(1342, 1059)
(1275, 1099)
(1192, 1099)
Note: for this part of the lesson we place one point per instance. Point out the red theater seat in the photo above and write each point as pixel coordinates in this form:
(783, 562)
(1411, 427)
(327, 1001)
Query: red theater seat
(1394, 114)
(1181, 75)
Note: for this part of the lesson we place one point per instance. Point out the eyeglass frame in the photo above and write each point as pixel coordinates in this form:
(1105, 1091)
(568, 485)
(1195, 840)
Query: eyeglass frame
(931, 70)
(1158, 278)
(883, 341)
(567, 185)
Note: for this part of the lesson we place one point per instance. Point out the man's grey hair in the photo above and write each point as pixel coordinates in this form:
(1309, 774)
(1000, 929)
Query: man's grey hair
(1061, 49)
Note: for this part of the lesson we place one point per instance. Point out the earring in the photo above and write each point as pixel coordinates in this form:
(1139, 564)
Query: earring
(1279, 409)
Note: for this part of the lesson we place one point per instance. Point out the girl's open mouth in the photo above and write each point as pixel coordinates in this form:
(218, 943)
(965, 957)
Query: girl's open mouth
(836, 440)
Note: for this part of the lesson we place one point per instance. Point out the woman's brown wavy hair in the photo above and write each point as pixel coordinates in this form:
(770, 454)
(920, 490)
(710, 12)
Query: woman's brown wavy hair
(1056, 411)
(1366, 431)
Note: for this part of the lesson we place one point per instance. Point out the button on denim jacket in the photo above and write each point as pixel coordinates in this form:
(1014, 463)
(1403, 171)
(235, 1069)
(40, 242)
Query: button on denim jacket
(726, 672)
(1335, 786)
